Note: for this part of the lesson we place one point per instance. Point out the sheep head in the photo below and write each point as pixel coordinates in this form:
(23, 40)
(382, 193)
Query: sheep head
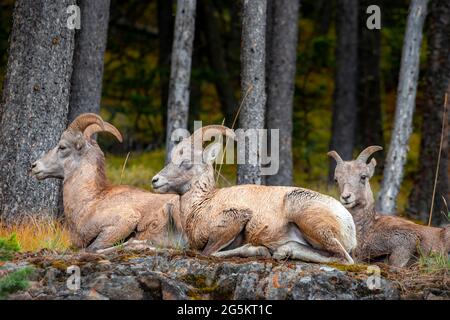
(189, 160)
(352, 178)
(72, 146)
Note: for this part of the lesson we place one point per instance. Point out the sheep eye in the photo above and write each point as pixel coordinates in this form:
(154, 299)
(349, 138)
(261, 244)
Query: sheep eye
(62, 148)
(363, 178)
(186, 164)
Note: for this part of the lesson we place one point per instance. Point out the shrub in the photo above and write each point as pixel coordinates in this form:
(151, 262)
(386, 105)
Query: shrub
(14, 281)
(8, 246)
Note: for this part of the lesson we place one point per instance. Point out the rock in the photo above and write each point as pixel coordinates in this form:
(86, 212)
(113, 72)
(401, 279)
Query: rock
(167, 274)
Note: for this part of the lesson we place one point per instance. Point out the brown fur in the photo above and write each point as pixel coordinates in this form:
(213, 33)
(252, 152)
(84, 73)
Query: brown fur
(380, 235)
(261, 216)
(100, 214)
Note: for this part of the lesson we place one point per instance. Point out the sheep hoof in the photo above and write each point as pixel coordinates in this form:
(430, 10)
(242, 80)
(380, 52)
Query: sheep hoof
(263, 252)
(280, 255)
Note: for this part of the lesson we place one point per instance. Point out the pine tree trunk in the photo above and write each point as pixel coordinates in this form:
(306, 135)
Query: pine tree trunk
(216, 57)
(281, 48)
(369, 129)
(253, 56)
(345, 95)
(35, 105)
(88, 58)
(437, 84)
(406, 96)
(165, 35)
(180, 70)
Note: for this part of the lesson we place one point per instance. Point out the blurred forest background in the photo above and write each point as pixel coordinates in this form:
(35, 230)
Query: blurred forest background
(137, 70)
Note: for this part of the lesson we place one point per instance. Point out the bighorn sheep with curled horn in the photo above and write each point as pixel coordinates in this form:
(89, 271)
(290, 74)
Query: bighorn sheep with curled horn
(252, 220)
(382, 235)
(100, 214)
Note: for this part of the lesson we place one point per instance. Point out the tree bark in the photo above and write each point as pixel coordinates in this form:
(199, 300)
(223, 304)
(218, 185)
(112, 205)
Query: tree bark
(35, 104)
(345, 94)
(281, 59)
(324, 9)
(437, 84)
(88, 59)
(405, 105)
(180, 70)
(369, 129)
(217, 61)
(253, 56)
(165, 34)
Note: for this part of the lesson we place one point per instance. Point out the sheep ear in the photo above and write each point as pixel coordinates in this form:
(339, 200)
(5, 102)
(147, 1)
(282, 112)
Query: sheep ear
(372, 164)
(211, 152)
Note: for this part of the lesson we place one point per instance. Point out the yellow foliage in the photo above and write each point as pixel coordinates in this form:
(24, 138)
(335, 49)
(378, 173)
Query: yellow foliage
(37, 234)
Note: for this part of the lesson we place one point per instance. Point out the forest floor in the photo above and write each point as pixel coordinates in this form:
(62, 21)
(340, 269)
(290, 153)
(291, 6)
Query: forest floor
(144, 272)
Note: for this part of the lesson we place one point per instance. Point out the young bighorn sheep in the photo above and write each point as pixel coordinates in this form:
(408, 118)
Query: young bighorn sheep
(381, 235)
(252, 220)
(100, 214)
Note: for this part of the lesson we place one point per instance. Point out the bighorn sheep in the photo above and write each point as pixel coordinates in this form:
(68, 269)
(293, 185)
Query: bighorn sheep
(381, 235)
(100, 214)
(252, 220)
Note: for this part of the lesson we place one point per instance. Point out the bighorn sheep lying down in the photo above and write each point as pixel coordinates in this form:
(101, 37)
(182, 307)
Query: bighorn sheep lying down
(100, 214)
(252, 220)
(380, 235)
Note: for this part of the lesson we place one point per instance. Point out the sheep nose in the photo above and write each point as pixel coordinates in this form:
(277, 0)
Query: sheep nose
(33, 165)
(155, 180)
(346, 196)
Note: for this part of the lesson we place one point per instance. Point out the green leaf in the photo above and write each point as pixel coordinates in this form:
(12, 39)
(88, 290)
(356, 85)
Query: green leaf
(8, 246)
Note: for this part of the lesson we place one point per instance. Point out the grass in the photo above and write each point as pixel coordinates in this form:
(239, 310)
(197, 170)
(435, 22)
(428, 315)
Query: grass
(37, 234)
(434, 262)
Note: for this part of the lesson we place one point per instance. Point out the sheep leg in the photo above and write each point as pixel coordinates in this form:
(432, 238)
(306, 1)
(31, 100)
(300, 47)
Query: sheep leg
(400, 256)
(224, 230)
(295, 250)
(109, 236)
(322, 232)
(244, 251)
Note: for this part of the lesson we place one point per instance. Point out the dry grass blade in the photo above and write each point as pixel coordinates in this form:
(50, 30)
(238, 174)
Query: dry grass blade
(123, 167)
(250, 88)
(444, 117)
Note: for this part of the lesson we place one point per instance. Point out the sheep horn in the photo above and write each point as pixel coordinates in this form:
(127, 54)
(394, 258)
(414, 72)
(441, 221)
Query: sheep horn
(367, 152)
(94, 128)
(201, 132)
(336, 157)
(84, 120)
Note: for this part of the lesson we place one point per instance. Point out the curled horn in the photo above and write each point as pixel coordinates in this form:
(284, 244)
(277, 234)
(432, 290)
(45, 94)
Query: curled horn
(85, 120)
(367, 152)
(94, 128)
(336, 157)
(222, 129)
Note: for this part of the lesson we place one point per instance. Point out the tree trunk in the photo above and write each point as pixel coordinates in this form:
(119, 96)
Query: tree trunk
(88, 58)
(324, 15)
(253, 56)
(437, 84)
(165, 35)
(195, 84)
(345, 95)
(369, 129)
(281, 65)
(406, 96)
(216, 57)
(180, 70)
(35, 105)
